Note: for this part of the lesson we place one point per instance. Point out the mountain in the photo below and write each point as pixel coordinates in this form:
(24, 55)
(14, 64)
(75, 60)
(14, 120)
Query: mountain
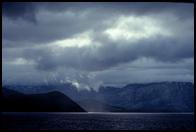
(152, 97)
(146, 97)
(45, 102)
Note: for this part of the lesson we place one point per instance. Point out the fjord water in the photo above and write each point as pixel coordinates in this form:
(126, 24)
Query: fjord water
(97, 121)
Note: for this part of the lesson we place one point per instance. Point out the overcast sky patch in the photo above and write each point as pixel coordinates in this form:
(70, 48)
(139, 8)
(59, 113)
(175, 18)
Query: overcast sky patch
(93, 44)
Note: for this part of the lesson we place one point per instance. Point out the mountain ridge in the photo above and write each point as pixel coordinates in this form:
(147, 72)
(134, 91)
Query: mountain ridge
(145, 97)
(46, 102)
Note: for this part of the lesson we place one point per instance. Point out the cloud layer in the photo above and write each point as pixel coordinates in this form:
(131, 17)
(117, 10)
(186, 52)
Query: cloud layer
(87, 43)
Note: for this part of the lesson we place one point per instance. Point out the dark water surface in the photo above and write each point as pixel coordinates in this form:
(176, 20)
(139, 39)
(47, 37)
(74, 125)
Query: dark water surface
(96, 121)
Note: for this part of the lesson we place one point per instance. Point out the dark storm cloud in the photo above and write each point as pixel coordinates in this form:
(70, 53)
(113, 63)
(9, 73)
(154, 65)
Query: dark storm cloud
(102, 58)
(16, 10)
(52, 25)
(73, 36)
(20, 9)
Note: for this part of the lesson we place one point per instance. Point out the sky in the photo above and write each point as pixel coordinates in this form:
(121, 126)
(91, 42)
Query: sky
(95, 44)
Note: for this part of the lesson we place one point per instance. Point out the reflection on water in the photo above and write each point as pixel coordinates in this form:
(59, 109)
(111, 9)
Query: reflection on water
(97, 121)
